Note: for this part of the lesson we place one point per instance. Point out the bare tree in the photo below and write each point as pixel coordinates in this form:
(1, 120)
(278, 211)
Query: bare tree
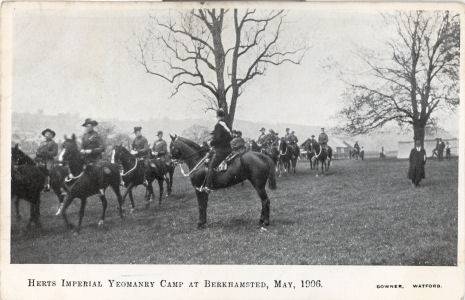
(197, 133)
(190, 48)
(419, 78)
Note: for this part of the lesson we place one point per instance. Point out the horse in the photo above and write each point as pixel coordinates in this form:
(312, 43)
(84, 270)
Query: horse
(258, 168)
(284, 157)
(310, 154)
(270, 149)
(27, 181)
(57, 173)
(354, 153)
(295, 154)
(135, 171)
(86, 180)
(322, 154)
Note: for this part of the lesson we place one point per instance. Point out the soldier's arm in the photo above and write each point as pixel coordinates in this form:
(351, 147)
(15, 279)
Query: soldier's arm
(100, 148)
(163, 149)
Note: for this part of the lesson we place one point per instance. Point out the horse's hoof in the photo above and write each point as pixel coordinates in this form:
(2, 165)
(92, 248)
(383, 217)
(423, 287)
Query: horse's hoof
(266, 223)
(263, 229)
(100, 223)
(201, 226)
(76, 233)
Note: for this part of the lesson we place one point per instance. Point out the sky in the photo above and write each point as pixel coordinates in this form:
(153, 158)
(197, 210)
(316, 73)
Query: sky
(68, 61)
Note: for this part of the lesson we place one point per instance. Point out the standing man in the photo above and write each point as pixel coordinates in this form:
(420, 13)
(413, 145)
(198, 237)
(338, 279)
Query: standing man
(417, 160)
(262, 137)
(140, 146)
(441, 147)
(92, 144)
(46, 153)
(160, 149)
(221, 147)
(447, 151)
(323, 138)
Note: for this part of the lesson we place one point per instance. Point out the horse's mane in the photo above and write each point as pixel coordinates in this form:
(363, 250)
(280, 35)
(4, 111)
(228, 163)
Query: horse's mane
(26, 158)
(190, 143)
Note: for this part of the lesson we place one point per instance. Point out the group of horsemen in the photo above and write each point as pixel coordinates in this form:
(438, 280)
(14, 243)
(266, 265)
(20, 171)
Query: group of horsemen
(223, 142)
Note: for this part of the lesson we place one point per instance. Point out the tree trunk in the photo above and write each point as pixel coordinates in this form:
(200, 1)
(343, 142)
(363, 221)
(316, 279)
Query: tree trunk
(419, 132)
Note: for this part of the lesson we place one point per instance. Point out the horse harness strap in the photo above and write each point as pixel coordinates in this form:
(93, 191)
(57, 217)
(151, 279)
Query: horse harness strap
(132, 169)
(194, 168)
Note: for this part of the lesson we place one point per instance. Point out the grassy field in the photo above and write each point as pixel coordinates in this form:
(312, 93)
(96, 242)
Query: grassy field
(359, 213)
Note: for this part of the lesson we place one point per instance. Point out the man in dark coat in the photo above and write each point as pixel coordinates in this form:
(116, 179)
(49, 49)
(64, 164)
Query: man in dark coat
(140, 145)
(323, 138)
(221, 147)
(92, 143)
(417, 160)
(46, 153)
(441, 147)
(261, 139)
(160, 149)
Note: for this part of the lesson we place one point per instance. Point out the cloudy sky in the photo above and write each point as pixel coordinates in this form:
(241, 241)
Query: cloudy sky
(82, 61)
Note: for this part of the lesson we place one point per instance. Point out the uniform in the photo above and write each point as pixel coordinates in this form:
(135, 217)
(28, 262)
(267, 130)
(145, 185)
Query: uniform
(46, 152)
(261, 139)
(93, 141)
(292, 139)
(141, 145)
(161, 148)
(323, 139)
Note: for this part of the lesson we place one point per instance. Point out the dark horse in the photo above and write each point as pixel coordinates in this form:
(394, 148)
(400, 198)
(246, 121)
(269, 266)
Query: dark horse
(136, 170)
(256, 167)
(323, 155)
(270, 150)
(87, 180)
(27, 181)
(295, 153)
(57, 173)
(284, 158)
(310, 154)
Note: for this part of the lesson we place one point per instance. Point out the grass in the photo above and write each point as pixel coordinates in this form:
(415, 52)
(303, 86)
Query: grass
(359, 213)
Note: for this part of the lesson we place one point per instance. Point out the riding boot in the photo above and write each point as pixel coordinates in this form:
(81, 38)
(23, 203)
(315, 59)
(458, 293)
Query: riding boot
(47, 184)
(208, 181)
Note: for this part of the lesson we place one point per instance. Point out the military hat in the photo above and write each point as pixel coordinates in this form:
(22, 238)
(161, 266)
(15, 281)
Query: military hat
(48, 130)
(313, 135)
(159, 132)
(262, 129)
(287, 129)
(220, 113)
(137, 128)
(90, 121)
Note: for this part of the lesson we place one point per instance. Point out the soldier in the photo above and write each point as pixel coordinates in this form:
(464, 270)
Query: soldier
(323, 138)
(140, 146)
(287, 135)
(221, 147)
(46, 153)
(417, 160)
(261, 139)
(160, 149)
(312, 140)
(293, 140)
(447, 151)
(92, 143)
(357, 147)
(238, 143)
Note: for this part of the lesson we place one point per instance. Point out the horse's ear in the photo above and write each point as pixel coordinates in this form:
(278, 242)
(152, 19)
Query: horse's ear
(172, 137)
(73, 137)
(66, 137)
(16, 146)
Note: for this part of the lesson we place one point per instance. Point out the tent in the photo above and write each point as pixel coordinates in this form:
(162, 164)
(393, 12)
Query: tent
(404, 147)
(340, 148)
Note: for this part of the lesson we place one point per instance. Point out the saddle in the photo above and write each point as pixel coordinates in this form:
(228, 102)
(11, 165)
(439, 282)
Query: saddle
(223, 166)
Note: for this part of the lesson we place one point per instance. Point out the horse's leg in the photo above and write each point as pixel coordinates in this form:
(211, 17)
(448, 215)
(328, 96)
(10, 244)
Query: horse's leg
(131, 198)
(18, 215)
(265, 214)
(104, 201)
(160, 187)
(81, 213)
(66, 204)
(116, 190)
(202, 200)
(170, 189)
(128, 189)
(167, 180)
(31, 213)
(37, 212)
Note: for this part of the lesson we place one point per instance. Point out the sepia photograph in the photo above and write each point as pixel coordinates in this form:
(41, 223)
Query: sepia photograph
(273, 135)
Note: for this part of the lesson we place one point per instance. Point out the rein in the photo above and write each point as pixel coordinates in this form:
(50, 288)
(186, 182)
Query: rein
(132, 169)
(318, 155)
(194, 168)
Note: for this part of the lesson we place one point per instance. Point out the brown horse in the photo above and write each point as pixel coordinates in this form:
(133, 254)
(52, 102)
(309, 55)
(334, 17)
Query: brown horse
(256, 167)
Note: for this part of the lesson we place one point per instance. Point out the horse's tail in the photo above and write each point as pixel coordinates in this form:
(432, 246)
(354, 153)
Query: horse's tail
(272, 174)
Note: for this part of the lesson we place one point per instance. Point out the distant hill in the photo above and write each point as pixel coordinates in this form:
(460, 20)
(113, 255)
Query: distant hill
(28, 126)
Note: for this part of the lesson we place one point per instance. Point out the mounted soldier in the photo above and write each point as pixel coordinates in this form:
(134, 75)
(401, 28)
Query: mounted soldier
(45, 154)
(140, 146)
(238, 143)
(323, 139)
(262, 137)
(287, 135)
(357, 147)
(312, 140)
(160, 149)
(292, 139)
(221, 147)
(92, 145)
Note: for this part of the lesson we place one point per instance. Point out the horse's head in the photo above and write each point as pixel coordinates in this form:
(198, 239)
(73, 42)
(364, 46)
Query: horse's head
(175, 147)
(118, 153)
(18, 157)
(69, 149)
